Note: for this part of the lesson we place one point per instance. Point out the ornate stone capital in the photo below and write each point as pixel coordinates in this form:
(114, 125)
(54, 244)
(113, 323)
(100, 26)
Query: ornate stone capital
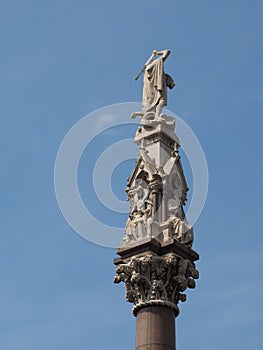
(156, 280)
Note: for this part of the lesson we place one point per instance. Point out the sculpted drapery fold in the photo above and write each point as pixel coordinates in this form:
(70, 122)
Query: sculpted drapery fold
(154, 87)
(155, 84)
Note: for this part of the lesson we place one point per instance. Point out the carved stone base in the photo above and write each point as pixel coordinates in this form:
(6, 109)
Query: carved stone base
(161, 132)
(152, 245)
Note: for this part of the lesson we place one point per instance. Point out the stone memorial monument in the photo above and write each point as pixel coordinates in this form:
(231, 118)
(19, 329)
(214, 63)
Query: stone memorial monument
(156, 261)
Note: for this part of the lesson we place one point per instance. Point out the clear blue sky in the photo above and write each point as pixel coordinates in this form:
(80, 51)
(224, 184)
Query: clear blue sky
(61, 60)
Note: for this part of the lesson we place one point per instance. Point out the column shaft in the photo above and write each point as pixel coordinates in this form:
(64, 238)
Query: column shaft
(155, 328)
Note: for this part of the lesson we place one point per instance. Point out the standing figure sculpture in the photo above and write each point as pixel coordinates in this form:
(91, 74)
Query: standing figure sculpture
(155, 84)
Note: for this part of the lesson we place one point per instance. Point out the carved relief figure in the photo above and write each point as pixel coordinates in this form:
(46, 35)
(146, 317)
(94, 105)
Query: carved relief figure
(139, 205)
(178, 224)
(174, 204)
(137, 225)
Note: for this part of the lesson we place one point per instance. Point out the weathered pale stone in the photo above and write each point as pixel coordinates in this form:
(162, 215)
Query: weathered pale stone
(155, 84)
(156, 280)
(157, 188)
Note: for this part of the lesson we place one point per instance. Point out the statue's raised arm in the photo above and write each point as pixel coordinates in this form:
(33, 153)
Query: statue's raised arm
(155, 85)
(164, 54)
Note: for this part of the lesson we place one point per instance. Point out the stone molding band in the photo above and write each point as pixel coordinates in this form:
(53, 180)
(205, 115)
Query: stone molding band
(141, 305)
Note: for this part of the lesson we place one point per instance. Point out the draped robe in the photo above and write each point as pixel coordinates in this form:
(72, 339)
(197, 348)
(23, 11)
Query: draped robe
(155, 85)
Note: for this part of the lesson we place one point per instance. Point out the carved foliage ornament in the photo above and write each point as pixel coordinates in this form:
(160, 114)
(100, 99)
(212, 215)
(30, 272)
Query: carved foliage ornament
(156, 280)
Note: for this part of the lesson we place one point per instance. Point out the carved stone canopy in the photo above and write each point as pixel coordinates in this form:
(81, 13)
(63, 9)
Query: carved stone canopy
(157, 189)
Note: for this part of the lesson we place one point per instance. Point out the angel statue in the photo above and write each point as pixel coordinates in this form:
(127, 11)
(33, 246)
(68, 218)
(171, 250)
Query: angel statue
(155, 84)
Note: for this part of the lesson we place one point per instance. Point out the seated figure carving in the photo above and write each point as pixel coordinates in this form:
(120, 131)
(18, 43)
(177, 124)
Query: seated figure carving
(137, 225)
(178, 224)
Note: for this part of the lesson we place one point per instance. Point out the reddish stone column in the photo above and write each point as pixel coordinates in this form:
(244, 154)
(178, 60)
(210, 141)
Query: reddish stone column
(155, 328)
